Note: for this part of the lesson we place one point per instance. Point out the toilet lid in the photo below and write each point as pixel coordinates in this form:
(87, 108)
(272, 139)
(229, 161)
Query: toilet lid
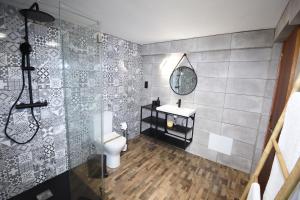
(110, 136)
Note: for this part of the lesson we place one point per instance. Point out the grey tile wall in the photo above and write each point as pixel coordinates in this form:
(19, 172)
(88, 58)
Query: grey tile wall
(236, 78)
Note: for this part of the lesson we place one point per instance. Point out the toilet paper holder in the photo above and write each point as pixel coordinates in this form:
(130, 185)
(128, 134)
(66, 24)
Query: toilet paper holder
(124, 129)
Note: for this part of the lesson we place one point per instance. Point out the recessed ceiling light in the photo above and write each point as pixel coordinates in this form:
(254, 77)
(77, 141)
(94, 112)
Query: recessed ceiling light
(2, 35)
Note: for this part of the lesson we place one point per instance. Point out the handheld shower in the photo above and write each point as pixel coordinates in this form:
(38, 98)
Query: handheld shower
(34, 14)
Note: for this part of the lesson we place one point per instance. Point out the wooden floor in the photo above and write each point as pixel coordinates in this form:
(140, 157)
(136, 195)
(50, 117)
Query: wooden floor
(154, 170)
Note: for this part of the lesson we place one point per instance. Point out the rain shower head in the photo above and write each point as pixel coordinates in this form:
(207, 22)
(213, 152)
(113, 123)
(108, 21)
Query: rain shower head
(35, 14)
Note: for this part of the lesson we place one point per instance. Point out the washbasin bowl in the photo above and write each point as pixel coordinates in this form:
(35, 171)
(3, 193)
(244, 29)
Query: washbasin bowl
(168, 108)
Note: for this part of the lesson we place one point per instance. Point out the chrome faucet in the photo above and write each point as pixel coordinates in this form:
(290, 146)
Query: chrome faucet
(179, 103)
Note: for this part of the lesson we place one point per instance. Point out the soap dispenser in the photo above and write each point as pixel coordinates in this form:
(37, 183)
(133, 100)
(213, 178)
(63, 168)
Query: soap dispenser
(158, 102)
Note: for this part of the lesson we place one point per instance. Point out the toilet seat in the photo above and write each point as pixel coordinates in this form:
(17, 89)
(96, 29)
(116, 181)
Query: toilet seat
(110, 137)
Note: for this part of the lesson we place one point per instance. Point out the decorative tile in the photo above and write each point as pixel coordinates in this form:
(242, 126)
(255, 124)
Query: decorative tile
(12, 48)
(40, 176)
(14, 60)
(3, 59)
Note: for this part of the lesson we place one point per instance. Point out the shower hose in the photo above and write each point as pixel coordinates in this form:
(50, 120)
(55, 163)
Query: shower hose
(10, 112)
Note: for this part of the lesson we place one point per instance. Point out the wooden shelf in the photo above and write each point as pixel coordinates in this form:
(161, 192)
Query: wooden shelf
(161, 123)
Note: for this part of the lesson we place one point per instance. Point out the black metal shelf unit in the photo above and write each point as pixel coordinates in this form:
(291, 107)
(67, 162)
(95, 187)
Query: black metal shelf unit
(180, 139)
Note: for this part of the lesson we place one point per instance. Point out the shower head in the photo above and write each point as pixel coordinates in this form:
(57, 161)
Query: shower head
(35, 14)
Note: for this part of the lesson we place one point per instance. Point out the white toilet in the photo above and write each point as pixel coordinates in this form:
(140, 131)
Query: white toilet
(113, 142)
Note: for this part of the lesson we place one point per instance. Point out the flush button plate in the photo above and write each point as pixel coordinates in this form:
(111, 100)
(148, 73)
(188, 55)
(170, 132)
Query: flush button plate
(47, 194)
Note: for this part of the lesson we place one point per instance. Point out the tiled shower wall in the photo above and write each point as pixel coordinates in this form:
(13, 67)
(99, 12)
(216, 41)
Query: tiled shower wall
(236, 77)
(24, 166)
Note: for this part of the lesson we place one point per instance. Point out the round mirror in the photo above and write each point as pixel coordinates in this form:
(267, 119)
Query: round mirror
(183, 80)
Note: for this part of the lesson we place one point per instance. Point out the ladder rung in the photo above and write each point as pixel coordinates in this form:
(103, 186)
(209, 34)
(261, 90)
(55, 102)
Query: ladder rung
(280, 159)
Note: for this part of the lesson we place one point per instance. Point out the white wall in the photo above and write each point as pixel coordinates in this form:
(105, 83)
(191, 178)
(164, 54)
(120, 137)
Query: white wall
(236, 77)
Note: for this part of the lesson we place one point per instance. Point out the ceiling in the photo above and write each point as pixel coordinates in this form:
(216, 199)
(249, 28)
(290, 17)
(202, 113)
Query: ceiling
(149, 21)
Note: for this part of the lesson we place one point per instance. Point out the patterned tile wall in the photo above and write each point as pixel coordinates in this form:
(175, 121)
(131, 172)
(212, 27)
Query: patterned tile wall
(123, 82)
(73, 93)
(23, 166)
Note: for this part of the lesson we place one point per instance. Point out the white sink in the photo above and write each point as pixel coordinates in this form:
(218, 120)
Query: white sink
(186, 112)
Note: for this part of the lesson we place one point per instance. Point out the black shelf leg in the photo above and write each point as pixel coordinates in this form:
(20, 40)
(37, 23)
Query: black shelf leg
(193, 126)
(141, 119)
(186, 126)
(166, 121)
(156, 125)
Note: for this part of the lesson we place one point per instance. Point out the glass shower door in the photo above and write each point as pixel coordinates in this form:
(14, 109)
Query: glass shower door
(81, 51)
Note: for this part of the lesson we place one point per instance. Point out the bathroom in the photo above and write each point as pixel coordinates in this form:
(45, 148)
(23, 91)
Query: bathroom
(96, 105)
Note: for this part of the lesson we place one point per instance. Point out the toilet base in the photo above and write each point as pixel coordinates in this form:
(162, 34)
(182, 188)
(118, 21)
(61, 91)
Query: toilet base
(113, 161)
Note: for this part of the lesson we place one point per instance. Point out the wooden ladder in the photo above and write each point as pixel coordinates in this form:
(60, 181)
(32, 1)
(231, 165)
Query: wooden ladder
(291, 179)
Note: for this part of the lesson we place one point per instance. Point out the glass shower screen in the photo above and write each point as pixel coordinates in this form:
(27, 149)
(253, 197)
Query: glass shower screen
(81, 50)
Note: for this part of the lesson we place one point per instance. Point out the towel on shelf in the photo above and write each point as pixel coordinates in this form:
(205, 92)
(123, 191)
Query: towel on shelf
(289, 143)
(254, 192)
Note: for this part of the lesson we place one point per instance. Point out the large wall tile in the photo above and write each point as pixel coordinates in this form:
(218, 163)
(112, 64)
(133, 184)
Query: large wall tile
(201, 137)
(162, 92)
(254, 87)
(159, 58)
(253, 39)
(249, 70)
(211, 84)
(146, 49)
(263, 124)
(244, 102)
(160, 81)
(243, 134)
(242, 149)
(256, 158)
(148, 59)
(202, 151)
(207, 125)
(209, 98)
(236, 162)
(218, 69)
(276, 51)
(210, 113)
(161, 48)
(185, 99)
(189, 45)
(147, 69)
(260, 140)
(217, 42)
(262, 54)
(267, 104)
(241, 118)
(270, 87)
(214, 56)
(273, 69)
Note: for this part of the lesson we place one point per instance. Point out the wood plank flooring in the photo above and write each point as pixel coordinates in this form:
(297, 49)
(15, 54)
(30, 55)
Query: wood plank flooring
(153, 170)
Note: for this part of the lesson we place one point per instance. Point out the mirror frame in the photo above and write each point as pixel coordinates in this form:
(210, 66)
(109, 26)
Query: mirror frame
(195, 84)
